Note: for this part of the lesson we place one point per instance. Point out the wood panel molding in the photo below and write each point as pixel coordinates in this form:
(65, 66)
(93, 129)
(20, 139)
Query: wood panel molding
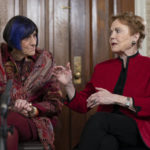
(100, 25)
(69, 28)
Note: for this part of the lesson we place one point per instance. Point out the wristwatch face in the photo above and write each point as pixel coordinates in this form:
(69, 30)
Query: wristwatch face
(128, 104)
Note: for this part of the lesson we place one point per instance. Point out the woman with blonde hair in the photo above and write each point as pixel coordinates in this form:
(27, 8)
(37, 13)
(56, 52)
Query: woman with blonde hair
(120, 87)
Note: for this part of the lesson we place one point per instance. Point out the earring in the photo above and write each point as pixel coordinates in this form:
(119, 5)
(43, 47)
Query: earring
(133, 43)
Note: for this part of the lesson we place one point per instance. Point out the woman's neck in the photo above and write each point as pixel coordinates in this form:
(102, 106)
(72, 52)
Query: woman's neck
(126, 54)
(17, 55)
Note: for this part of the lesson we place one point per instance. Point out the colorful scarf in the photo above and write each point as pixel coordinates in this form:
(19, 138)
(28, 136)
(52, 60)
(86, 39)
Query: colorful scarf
(38, 82)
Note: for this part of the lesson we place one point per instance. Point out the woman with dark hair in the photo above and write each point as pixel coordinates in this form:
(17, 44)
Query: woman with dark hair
(35, 94)
(120, 87)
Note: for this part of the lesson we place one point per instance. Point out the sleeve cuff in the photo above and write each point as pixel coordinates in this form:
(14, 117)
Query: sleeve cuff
(67, 100)
(137, 108)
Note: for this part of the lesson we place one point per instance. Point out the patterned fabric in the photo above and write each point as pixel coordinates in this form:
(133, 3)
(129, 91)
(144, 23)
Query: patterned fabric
(33, 81)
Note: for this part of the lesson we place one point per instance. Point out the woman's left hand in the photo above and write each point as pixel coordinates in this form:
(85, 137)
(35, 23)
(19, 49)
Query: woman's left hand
(101, 97)
(22, 105)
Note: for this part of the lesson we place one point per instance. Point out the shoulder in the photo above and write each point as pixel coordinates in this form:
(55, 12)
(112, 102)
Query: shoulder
(106, 64)
(4, 47)
(5, 51)
(144, 61)
(105, 68)
(144, 58)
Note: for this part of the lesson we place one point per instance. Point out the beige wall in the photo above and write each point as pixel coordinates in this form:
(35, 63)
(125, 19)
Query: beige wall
(6, 12)
(142, 8)
(148, 26)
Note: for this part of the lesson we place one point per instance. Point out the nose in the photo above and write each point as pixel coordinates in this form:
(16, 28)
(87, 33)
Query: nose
(33, 40)
(112, 35)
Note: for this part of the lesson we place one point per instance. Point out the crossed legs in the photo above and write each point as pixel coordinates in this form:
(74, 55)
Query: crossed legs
(105, 131)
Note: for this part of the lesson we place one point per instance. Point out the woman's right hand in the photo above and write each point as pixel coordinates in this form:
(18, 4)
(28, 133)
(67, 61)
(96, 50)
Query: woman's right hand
(63, 74)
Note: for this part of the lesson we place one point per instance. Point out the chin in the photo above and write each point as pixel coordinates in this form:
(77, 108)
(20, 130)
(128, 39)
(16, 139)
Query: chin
(115, 50)
(31, 53)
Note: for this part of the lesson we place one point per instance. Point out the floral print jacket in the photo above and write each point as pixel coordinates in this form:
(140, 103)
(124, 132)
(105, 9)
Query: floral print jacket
(33, 81)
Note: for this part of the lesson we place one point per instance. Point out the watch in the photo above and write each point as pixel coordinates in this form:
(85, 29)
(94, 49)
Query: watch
(128, 102)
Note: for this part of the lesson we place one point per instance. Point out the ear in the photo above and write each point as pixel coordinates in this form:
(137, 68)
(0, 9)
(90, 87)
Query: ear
(136, 37)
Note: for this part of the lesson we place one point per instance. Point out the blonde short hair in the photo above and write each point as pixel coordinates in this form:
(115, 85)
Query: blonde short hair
(135, 23)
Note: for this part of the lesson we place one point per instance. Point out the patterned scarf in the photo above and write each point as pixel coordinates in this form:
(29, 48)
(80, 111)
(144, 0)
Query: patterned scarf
(39, 77)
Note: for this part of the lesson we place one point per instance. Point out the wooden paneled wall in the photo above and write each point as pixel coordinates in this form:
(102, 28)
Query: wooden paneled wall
(69, 28)
(125, 5)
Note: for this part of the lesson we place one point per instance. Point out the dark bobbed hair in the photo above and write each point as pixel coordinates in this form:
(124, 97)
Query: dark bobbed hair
(135, 24)
(18, 28)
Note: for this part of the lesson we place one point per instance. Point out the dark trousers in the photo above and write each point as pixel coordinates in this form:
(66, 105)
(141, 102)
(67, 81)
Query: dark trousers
(109, 131)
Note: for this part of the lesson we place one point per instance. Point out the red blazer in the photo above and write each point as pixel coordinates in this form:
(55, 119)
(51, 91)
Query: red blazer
(137, 86)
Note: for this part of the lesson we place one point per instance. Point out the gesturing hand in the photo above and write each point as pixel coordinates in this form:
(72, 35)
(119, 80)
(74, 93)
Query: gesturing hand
(63, 74)
(101, 97)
